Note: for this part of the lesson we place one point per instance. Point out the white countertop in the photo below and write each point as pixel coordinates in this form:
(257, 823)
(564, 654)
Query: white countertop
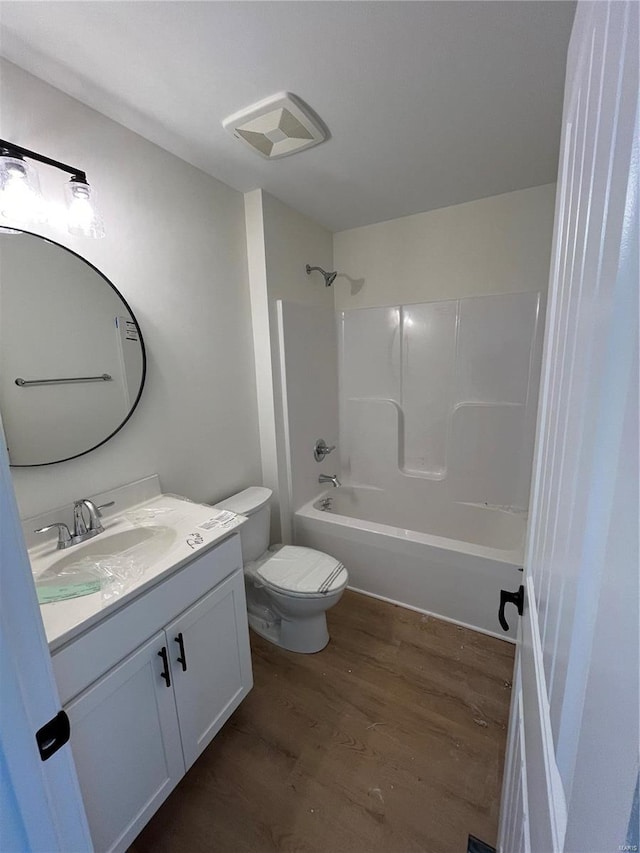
(196, 531)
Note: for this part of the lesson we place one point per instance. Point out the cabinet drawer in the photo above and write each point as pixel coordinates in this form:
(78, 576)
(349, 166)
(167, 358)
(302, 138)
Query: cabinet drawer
(93, 653)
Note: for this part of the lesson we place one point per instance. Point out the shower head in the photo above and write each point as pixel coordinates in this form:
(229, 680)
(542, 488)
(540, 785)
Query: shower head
(329, 277)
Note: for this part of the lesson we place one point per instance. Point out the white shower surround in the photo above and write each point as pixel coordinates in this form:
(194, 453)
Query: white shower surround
(442, 391)
(431, 569)
(437, 417)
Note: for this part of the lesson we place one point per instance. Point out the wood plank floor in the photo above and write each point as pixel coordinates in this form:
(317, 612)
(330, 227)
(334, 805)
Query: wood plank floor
(391, 740)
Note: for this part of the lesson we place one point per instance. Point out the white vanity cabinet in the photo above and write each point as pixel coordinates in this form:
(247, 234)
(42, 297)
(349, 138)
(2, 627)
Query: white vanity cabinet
(139, 725)
(125, 740)
(210, 679)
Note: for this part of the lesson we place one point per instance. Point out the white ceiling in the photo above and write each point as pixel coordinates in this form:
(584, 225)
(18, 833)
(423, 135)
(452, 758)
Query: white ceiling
(428, 103)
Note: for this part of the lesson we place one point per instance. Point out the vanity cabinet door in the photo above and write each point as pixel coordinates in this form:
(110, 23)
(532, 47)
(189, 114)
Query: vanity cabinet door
(212, 638)
(125, 741)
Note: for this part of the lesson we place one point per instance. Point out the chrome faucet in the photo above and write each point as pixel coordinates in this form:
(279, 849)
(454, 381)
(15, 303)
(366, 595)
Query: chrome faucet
(329, 478)
(81, 531)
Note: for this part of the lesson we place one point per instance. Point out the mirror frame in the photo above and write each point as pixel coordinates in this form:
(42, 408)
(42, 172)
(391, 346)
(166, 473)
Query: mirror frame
(140, 338)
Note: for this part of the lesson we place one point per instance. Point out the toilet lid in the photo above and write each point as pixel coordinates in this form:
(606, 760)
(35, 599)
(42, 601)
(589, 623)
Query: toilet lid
(302, 571)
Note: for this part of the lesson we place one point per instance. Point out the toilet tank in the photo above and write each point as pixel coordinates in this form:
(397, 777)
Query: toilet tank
(254, 534)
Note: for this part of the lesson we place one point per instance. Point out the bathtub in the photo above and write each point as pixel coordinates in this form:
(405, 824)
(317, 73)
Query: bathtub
(449, 560)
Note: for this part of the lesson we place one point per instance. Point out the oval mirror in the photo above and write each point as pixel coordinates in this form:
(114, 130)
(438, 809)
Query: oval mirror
(72, 359)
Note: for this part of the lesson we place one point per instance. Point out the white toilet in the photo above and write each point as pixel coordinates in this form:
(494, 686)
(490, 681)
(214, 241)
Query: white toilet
(289, 589)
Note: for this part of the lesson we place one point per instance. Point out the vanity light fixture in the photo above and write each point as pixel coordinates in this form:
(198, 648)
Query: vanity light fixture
(21, 199)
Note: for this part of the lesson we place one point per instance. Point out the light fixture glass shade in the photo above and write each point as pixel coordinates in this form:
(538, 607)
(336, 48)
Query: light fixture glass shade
(84, 219)
(20, 196)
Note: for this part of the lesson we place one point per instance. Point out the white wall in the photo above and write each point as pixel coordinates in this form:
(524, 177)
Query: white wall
(280, 242)
(500, 244)
(175, 247)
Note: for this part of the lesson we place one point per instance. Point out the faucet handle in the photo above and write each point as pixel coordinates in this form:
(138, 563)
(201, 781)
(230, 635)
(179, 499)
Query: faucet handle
(64, 536)
(95, 515)
(322, 449)
(98, 515)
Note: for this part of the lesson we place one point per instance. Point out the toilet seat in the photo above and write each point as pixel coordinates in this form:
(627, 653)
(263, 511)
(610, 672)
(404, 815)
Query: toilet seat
(299, 572)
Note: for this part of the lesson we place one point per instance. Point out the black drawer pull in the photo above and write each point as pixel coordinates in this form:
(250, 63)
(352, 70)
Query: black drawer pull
(182, 658)
(165, 668)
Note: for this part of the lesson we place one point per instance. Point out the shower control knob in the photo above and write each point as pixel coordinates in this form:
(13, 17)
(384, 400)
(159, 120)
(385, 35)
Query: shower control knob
(321, 449)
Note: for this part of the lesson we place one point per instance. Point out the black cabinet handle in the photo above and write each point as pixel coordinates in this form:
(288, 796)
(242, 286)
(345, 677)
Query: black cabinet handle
(507, 597)
(183, 658)
(165, 668)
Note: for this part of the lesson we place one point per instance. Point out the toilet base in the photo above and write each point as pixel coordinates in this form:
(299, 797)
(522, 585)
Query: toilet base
(306, 635)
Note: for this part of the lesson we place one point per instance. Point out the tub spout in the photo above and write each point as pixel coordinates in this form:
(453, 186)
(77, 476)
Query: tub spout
(329, 478)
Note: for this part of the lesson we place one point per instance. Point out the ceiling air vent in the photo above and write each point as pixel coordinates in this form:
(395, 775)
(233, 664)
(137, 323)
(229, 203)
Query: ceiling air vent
(276, 127)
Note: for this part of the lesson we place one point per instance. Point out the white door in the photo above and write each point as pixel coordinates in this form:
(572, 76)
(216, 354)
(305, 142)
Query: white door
(572, 760)
(126, 745)
(210, 663)
(40, 804)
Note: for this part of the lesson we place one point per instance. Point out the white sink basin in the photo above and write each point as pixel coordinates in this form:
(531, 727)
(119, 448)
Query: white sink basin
(144, 545)
(144, 542)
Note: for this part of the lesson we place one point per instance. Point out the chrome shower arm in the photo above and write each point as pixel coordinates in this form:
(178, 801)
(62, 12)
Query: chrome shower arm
(329, 277)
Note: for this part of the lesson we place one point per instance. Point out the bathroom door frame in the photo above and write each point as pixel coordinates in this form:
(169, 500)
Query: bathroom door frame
(40, 801)
(572, 754)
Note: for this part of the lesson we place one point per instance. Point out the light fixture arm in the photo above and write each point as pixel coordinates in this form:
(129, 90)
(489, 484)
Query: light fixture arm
(8, 148)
